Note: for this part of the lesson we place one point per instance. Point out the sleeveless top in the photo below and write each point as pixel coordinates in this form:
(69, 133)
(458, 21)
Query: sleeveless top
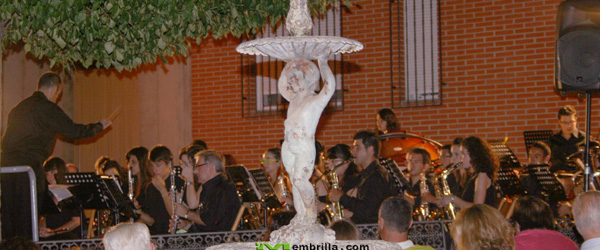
(491, 194)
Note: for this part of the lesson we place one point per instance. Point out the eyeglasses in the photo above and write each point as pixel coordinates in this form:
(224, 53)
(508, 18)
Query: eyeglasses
(263, 161)
(200, 165)
(568, 122)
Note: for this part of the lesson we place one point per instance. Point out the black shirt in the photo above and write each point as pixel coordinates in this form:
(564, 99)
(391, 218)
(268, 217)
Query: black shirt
(154, 205)
(375, 185)
(561, 148)
(491, 194)
(415, 191)
(31, 129)
(219, 205)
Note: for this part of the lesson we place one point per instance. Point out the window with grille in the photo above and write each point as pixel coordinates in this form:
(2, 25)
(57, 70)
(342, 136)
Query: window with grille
(415, 53)
(260, 96)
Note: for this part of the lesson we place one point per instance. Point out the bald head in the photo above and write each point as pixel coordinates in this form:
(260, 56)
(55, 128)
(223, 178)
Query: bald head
(586, 212)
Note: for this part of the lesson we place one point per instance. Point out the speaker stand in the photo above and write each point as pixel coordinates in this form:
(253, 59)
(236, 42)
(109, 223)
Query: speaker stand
(588, 123)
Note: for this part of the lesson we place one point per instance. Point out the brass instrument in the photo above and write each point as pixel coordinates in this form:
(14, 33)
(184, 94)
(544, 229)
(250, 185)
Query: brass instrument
(450, 210)
(421, 213)
(336, 208)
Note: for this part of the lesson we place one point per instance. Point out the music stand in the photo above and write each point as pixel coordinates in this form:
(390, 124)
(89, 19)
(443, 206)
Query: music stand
(547, 182)
(98, 192)
(400, 181)
(533, 136)
(247, 189)
(507, 178)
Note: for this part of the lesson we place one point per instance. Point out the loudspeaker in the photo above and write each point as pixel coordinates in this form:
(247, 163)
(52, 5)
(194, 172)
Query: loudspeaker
(577, 58)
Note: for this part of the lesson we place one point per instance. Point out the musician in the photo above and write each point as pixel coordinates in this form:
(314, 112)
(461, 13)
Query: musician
(567, 141)
(375, 184)
(156, 210)
(28, 141)
(446, 156)
(192, 187)
(419, 162)
(271, 163)
(137, 161)
(339, 160)
(387, 121)
(459, 177)
(219, 201)
(65, 223)
(539, 153)
(480, 188)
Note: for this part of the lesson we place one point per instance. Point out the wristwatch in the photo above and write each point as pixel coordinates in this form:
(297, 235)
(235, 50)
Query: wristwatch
(186, 214)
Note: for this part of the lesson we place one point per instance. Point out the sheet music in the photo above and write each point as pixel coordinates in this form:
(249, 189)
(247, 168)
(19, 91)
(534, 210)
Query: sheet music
(60, 192)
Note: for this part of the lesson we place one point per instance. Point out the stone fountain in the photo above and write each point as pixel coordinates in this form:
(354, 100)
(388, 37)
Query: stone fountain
(297, 84)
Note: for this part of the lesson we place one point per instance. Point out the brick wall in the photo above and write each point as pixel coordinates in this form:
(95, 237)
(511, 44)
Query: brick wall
(497, 63)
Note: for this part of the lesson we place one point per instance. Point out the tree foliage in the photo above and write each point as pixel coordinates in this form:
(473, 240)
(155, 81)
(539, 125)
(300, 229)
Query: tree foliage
(127, 33)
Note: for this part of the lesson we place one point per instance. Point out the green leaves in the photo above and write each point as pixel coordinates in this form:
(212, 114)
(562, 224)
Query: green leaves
(128, 33)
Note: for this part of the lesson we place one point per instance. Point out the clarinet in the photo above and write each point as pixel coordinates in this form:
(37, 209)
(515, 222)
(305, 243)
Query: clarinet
(130, 185)
(173, 200)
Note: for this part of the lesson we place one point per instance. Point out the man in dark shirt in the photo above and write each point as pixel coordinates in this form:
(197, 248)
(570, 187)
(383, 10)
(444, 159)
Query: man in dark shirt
(375, 184)
(219, 201)
(31, 129)
(418, 162)
(567, 141)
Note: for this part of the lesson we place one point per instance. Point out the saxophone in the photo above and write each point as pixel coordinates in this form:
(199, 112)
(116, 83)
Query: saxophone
(335, 209)
(421, 213)
(450, 210)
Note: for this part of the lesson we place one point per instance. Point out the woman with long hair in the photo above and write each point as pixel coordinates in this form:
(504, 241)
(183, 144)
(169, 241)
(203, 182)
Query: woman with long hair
(137, 161)
(480, 188)
(387, 121)
(481, 227)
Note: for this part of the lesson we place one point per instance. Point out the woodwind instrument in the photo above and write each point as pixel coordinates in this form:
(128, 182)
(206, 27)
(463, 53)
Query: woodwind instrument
(450, 210)
(173, 200)
(336, 208)
(421, 213)
(130, 186)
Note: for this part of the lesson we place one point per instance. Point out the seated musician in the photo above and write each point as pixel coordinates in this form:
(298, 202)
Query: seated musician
(64, 224)
(387, 121)
(339, 161)
(137, 161)
(539, 153)
(271, 163)
(156, 210)
(219, 201)
(186, 161)
(480, 188)
(419, 161)
(446, 156)
(375, 183)
(567, 141)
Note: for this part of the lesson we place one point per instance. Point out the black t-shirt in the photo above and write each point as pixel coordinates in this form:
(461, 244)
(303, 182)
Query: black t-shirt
(154, 205)
(374, 187)
(219, 205)
(562, 148)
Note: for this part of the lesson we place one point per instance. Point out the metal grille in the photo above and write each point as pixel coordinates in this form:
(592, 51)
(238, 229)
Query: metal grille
(431, 233)
(415, 70)
(260, 96)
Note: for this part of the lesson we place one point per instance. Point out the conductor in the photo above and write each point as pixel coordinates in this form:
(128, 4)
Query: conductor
(31, 129)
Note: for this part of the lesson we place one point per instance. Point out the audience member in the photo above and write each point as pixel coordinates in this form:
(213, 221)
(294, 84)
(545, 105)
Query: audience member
(345, 230)
(586, 212)
(481, 226)
(395, 218)
(535, 227)
(125, 236)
